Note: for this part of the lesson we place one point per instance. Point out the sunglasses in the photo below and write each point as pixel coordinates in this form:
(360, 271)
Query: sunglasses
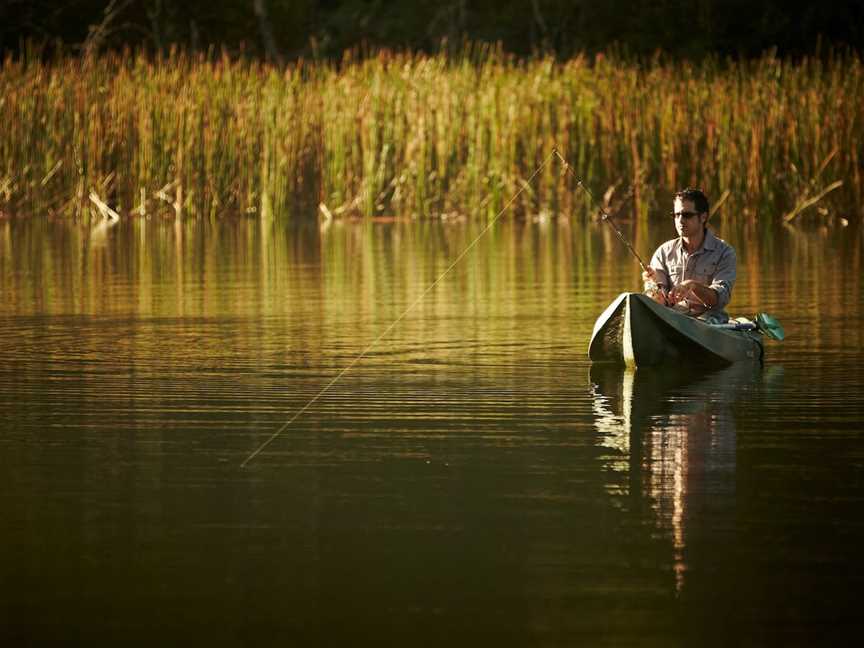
(683, 214)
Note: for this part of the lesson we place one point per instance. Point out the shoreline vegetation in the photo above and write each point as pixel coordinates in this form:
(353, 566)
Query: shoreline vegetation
(126, 135)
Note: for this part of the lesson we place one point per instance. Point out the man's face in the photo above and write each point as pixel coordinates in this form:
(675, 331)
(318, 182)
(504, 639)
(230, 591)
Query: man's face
(688, 222)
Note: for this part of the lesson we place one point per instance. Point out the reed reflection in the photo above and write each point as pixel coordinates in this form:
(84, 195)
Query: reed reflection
(674, 434)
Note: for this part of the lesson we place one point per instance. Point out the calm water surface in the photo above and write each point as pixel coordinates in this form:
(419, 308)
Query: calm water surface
(472, 481)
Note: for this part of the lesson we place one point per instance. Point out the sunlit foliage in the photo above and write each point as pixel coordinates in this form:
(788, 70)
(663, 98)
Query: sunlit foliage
(425, 135)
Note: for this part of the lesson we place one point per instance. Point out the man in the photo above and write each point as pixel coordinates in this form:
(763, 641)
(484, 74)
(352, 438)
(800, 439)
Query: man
(696, 271)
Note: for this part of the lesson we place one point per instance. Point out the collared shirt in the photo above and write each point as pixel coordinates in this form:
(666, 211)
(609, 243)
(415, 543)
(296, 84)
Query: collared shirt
(713, 264)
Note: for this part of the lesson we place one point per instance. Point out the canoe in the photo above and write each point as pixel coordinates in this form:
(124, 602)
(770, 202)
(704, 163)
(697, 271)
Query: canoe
(636, 331)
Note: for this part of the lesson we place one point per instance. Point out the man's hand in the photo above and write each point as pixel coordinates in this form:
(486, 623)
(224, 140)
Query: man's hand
(694, 294)
(654, 291)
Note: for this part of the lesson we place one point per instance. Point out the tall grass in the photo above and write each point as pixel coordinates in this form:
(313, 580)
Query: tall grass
(425, 135)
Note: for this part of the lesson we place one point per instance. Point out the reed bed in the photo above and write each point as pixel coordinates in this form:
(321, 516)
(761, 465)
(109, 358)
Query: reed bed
(419, 135)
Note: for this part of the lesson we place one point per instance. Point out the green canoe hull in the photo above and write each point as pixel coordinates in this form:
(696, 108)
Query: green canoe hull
(635, 331)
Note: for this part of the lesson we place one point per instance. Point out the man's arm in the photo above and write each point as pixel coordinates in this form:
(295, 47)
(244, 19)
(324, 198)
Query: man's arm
(724, 277)
(695, 293)
(715, 295)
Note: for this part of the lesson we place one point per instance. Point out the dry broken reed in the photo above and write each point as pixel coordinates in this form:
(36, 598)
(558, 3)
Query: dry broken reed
(423, 135)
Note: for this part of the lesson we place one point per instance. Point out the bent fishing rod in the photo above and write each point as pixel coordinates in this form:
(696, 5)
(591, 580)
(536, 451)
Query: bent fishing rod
(604, 215)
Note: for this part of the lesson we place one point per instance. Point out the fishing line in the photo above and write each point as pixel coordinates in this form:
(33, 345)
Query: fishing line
(395, 322)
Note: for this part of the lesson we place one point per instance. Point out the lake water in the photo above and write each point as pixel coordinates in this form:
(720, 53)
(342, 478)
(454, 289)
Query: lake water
(472, 480)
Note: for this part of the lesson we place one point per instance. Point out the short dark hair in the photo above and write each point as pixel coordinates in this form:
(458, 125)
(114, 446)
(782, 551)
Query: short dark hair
(696, 196)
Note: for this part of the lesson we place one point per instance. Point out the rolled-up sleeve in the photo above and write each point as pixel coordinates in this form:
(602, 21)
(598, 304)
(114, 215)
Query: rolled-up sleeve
(724, 277)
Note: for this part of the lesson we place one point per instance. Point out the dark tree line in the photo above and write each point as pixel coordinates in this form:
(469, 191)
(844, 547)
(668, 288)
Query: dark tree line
(282, 30)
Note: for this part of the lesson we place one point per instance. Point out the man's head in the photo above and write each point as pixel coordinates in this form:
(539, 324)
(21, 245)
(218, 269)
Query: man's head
(690, 211)
(699, 199)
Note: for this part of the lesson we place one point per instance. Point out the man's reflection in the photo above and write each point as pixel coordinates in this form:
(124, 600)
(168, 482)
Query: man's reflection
(674, 434)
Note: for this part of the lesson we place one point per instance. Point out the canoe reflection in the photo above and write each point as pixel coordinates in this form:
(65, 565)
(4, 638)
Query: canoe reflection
(673, 433)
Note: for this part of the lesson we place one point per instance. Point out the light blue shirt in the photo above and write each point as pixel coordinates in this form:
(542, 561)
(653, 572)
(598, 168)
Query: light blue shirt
(713, 264)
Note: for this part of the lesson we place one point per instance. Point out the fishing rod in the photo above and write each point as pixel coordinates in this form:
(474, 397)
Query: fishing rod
(604, 215)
